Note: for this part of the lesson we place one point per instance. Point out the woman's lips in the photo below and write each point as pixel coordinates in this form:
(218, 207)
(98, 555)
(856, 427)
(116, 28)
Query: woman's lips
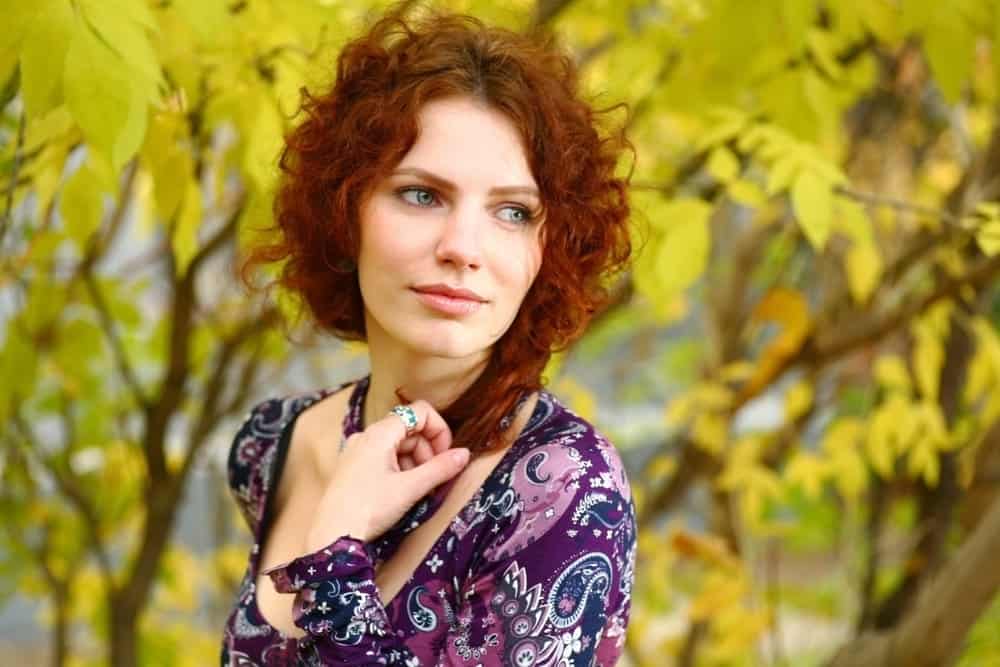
(448, 305)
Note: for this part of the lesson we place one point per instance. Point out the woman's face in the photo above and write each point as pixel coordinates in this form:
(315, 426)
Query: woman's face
(459, 212)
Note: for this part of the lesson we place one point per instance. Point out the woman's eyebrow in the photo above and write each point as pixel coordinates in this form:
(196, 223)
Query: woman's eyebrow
(445, 184)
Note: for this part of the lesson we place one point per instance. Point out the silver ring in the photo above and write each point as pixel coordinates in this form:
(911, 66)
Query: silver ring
(409, 417)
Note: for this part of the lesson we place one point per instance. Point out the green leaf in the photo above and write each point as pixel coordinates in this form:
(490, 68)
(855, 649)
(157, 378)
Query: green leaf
(109, 107)
(812, 199)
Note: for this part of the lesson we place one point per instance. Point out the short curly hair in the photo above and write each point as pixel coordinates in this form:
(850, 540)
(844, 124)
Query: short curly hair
(352, 136)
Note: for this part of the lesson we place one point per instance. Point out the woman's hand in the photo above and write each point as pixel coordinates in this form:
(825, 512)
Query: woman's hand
(381, 473)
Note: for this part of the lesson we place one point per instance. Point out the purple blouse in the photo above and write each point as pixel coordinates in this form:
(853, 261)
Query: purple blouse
(536, 569)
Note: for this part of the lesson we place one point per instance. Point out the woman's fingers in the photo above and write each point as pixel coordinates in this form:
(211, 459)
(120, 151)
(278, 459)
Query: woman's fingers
(423, 452)
(391, 430)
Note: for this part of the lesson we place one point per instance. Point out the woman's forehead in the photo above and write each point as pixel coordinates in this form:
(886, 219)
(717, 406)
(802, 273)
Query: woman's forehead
(464, 143)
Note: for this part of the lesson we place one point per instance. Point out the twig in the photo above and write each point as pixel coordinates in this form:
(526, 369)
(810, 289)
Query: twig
(898, 204)
(125, 369)
(12, 185)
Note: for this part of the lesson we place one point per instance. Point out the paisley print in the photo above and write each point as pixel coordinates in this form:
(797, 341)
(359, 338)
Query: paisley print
(587, 576)
(422, 617)
(536, 569)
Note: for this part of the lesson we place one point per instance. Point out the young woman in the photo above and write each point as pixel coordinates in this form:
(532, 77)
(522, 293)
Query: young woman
(452, 202)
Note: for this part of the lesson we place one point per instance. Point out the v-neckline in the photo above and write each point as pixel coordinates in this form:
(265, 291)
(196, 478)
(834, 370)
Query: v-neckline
(352, 424)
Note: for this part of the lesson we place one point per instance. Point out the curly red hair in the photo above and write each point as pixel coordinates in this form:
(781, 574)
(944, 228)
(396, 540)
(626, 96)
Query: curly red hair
(354, 135)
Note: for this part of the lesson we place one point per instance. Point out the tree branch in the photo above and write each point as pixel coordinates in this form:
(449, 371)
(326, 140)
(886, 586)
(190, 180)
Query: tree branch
(932, 634)
(125, 369)
(69, 485)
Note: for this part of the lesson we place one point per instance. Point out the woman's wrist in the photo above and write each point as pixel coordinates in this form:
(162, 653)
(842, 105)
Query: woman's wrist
(323, 535)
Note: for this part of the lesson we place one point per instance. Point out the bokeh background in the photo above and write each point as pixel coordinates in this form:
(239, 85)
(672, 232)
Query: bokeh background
(801, 368)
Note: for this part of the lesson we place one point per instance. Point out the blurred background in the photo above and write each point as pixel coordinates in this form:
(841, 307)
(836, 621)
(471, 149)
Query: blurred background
(801, 368)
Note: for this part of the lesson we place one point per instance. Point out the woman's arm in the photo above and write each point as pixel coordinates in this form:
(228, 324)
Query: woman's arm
(565, 594)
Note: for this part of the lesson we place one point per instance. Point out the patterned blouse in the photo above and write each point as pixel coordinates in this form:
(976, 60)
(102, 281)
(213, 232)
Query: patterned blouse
(536, 569)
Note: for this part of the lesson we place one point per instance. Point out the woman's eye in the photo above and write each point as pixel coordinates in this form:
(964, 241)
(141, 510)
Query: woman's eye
(519, 215)
(417, 196)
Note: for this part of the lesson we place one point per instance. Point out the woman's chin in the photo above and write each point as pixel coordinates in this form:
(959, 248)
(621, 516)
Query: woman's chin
(450, 344)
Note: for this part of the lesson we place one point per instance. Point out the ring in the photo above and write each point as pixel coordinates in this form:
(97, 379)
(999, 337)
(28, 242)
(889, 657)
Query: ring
(409, 417)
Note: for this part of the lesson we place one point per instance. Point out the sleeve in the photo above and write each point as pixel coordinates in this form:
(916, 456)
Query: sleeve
(558, 596)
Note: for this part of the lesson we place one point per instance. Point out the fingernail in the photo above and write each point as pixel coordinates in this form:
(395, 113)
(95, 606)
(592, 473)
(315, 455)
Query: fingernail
(460, 455)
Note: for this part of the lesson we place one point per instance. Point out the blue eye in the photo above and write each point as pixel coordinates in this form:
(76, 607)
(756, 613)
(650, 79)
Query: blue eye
(523, 214)
(424, 197)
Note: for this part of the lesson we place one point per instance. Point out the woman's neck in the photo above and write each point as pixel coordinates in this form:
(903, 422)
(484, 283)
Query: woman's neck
(437, 380)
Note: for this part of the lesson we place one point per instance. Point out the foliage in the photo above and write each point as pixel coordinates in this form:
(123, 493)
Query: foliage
(816, 192)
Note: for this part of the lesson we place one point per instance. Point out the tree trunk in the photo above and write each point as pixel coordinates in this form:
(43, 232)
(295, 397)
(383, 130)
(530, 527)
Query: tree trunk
(931, 635)
(60, 630)
(124, 644)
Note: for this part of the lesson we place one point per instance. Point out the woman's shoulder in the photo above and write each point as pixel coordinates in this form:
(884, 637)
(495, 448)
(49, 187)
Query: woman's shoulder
(250, 461)
(557, 434)
(570, 490)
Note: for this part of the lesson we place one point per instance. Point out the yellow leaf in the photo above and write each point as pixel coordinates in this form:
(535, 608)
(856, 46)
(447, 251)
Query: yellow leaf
(736, 371)
(847, 470)
(747, 193)
(842, 435)
(891, 373)
(684, 247)
(712, 396)
(210, 20)
(950, 49)
(168, 160)
(928, 358)
(808, 471)
(43, 56)
(798, 400)
(781, 175)
(123, 24)
(923, 460)
(710, 431)
(679, 410)
(988, 237)
(852, 220)
(184, 240)
(812, 199)
(932, 424)
(661, 467)
(263, 128)
(100, 93)
(81, 205)
(723, 165)
(980, 379)
(880, 441)
(709, 548)
(789, 308)
(864, 267)
(720, 590)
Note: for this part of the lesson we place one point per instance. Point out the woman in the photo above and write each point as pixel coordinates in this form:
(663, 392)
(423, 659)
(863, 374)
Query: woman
(451, 202)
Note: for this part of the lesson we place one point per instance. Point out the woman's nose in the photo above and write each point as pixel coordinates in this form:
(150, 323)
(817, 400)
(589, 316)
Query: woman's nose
(460, 242)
